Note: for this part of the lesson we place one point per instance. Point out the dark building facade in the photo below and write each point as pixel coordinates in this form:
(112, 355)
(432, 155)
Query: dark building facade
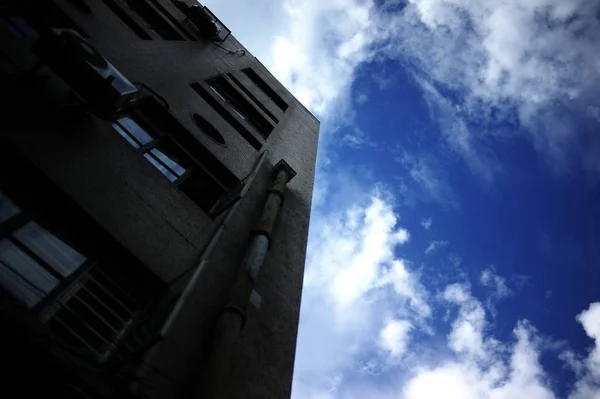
(155, 198)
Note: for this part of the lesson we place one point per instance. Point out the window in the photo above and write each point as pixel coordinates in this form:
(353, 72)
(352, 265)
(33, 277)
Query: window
(37, 268)
(258, 81)
(240, 106)
(252, 97)
(118, 9)
(154, 19)
(56, 262)
(208, 129)
(176, 154)
(220, 109)
(15, 26)
(32, 260)
(160, 153)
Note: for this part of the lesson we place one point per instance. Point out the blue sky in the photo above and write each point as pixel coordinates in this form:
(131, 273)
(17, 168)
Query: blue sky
(453, 249)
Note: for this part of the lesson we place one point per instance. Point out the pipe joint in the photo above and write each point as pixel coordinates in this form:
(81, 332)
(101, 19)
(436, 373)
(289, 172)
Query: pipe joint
(278, 192)
(261, 232)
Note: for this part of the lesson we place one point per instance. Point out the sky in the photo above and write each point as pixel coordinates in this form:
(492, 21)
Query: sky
(453, 246)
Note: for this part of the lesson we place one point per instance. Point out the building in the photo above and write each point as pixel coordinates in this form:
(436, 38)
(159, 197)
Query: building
(155, 196)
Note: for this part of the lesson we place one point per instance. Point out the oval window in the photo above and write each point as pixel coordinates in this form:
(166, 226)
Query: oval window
(208, 129)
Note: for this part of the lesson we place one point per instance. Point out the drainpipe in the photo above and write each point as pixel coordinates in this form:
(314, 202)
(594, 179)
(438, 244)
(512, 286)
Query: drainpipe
(181, 300)
(233, 316)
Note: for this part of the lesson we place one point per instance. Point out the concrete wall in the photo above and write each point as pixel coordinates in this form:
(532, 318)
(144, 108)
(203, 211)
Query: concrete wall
(162, 227)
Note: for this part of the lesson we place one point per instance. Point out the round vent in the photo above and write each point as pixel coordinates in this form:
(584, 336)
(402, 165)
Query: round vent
(208, 129)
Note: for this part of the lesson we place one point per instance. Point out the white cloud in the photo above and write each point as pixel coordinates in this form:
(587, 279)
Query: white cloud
(479, 368)
(426, 223)
(490, 279)
(394, 337)
(492, 68)
(313, 47)
(354, 285)
(588, 369)
(362, 245)
(435, 245)
(466, 336)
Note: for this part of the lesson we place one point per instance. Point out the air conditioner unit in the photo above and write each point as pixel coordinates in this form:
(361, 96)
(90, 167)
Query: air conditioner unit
(82, 67)
(208, 25)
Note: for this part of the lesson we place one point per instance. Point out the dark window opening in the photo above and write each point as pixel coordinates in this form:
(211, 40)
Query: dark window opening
(15, 26)
(252, 97)
(254, 77)
(240, 105)
(58, 263)
(173, 20)
(176, 154)
(154, 19)
(233, 121)
(49, 15)
(127, 19)
(208, 129)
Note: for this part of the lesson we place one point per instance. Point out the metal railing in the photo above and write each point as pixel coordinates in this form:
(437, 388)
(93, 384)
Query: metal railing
(98, 317)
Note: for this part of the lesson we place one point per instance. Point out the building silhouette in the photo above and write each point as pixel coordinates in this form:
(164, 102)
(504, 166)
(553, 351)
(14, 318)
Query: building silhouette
(155, 198)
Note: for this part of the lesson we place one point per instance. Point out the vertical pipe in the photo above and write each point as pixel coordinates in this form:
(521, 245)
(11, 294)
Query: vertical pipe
(174, 314)
(233, 316)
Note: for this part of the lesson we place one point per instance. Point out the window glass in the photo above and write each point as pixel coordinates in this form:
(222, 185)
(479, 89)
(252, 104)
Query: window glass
(218, 93)
(168, 161)
(126, 135)
(158, 165)
(23, 276)
(24, 27)
(7, 208)
(8, 27)
(16, 27)
(230, 102)
(132, 132)
(61, 257)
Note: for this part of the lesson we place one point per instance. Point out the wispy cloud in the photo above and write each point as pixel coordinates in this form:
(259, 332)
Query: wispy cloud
(427, 181)
(435, 245)
(496, 283)
(426, 223)
(492, 69)
(357, 138)
(361, 98)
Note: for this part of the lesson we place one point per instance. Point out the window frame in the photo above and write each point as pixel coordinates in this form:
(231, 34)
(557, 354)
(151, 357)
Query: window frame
(16, 222)
(194, 168)
(241, 106)
(154, 144)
